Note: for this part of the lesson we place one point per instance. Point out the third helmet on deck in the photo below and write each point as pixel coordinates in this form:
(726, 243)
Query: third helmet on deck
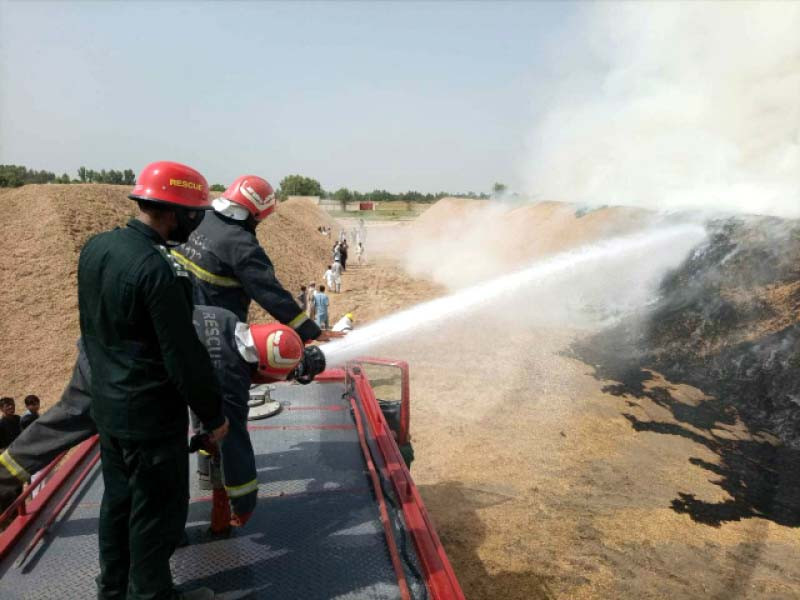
(279, 350)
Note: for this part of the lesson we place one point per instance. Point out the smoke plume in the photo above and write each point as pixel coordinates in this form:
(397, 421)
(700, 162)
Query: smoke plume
(675, 106)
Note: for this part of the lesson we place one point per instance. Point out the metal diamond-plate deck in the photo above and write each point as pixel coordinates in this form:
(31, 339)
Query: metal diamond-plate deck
(316, 532)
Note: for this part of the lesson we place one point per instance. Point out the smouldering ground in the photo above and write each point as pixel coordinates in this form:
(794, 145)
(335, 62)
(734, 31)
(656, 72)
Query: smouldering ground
(547, 482)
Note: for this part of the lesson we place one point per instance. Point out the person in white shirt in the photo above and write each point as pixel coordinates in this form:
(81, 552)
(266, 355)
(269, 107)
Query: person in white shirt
(336, 268)
(329, 278)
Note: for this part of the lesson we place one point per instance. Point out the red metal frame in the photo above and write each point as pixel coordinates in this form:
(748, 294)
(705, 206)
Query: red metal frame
(18, 505)
(384, 512)
(404, 435)
(59, 507)
(438, 571)
(27, 514)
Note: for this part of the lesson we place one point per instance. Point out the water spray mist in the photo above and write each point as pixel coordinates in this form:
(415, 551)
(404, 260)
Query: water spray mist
(469, 299)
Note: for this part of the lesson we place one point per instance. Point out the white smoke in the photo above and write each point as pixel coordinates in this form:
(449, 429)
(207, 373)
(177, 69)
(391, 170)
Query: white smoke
(576, 277)
(676, 106)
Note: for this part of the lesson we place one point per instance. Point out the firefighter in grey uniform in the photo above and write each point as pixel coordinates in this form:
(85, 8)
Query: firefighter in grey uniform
(230, 268)
(241, 354)
(237, 353)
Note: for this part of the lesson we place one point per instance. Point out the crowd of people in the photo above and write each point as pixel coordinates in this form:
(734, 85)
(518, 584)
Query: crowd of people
(11, 424)
(312, 297)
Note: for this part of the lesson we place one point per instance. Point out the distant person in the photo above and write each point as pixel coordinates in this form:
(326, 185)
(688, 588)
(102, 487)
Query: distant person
(302, 298)
(336, 269)
(9, 422)
(362, 232)
(32, 412)
(310, 309)
(9, 431)
(344, 324)
(343, 253)
(337, 252)
(321, 307)
(360, 253)
(329, 279)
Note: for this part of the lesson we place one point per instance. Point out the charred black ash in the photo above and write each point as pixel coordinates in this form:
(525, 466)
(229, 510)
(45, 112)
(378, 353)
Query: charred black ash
(727, 322)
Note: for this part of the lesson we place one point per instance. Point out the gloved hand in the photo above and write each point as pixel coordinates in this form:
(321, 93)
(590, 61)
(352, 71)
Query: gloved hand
(202, 441)
(313, 364)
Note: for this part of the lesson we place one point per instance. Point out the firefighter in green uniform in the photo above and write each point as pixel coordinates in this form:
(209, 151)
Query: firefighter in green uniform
(147, 365)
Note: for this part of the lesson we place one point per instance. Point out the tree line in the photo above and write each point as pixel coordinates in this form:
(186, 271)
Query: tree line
(298, 185)
(126, 177)
(291, 185)
(17, 175)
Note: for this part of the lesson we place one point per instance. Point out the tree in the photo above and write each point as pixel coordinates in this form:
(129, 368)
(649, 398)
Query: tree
(64, 178)
(217, 187)
(499, 188)
(82, 174)
(297, 185)
(17, 175)
(343, 196)
(128, 177)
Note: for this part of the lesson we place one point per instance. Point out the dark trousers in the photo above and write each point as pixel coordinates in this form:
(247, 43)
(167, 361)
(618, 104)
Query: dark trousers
(144, 509)
(238, 459)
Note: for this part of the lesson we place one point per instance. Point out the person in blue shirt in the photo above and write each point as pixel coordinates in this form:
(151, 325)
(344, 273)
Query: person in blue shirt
(321, 308)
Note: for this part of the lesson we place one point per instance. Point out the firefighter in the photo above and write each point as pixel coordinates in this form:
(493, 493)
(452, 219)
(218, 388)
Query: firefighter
(147, 364)
(230, 268)
(240, 355)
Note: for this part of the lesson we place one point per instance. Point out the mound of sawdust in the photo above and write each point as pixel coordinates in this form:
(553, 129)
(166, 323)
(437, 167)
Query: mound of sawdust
(41, 234)
(461, 241)
(446, 213)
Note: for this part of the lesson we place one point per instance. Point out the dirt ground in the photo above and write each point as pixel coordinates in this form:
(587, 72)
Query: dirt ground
(41, 233)
(547, 481)
(544, 478)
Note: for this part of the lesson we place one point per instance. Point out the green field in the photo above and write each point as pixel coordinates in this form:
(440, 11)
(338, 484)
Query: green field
(376, 215)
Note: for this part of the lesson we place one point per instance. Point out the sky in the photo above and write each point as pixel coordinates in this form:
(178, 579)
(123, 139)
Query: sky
(666, 105)
(675, 106)
(425, 96)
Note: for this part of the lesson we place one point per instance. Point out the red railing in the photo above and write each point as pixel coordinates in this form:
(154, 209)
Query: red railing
(404, 435)
(27, 507)
(438, 571)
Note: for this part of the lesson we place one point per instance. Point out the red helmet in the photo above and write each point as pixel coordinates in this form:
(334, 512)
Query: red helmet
(279, 350)
(254, 193)
(172, 183)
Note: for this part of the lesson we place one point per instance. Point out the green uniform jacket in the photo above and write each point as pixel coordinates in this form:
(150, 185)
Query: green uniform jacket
(136, 322)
